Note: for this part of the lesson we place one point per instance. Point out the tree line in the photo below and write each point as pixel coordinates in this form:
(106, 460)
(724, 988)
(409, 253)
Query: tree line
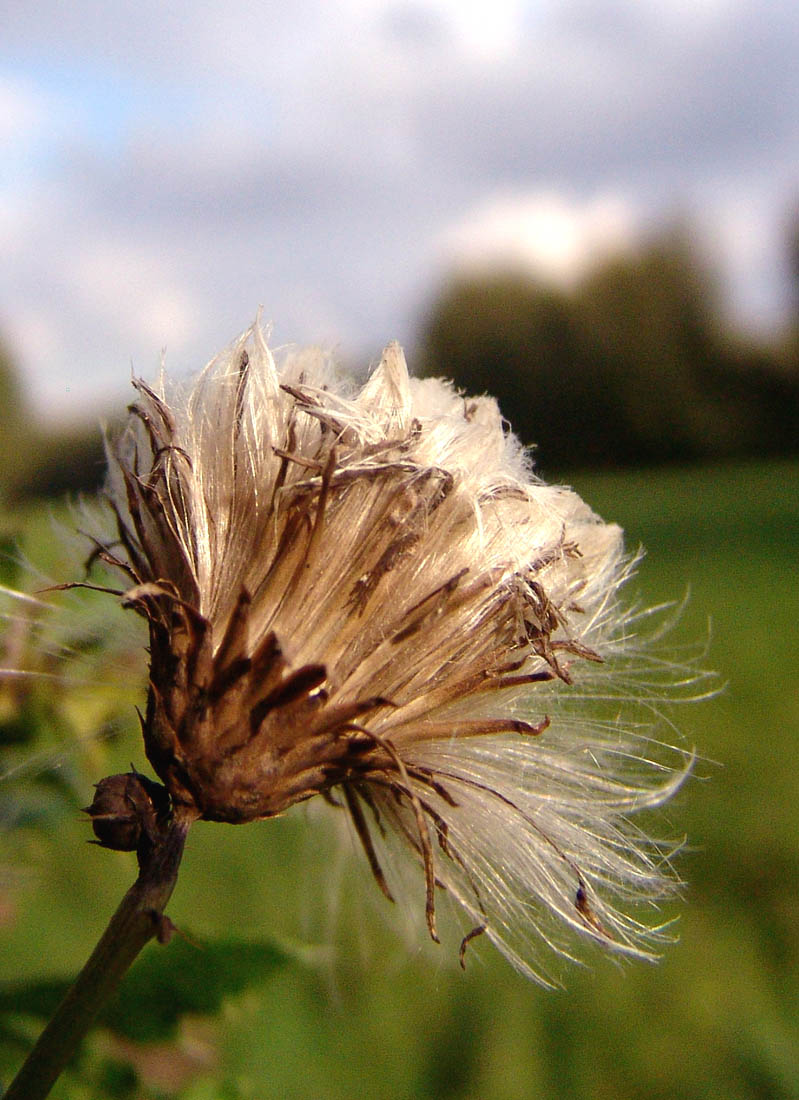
(39, 460)
(636, 365)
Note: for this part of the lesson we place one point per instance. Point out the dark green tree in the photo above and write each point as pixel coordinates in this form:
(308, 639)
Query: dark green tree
(13, 423)
(519, 341)
(38, 460)
(637, 365)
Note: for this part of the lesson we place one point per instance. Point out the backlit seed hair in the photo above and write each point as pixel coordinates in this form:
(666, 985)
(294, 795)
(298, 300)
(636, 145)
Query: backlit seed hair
(366, 594)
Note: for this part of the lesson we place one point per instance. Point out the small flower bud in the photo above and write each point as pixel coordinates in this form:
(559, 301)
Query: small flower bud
(126, 810)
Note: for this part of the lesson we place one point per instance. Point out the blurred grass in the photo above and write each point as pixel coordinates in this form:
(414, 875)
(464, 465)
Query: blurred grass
(361, 1013)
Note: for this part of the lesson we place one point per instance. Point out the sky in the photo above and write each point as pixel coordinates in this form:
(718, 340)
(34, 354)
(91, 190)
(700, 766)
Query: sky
(168, 169)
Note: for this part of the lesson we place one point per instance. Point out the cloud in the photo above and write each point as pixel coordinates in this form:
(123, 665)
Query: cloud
(545, 233)
(21, 111)
(175, 166)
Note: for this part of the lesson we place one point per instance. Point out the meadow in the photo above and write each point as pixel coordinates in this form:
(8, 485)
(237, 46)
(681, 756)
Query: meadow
(292, 980)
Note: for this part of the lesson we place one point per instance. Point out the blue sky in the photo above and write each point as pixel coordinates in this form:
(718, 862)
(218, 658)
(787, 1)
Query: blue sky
(167, 169)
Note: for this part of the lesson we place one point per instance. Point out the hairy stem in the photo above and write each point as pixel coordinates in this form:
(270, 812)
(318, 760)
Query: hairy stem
(137, 920)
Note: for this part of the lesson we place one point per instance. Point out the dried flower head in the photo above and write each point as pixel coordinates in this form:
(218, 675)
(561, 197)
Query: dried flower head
(367, 595)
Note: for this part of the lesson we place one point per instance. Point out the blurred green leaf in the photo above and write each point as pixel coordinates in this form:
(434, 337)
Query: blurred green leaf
(39, 998)
(9, 560)
(718, 1017)
(116, 1079)
(163, 986)
(213, 1090)
(187, 980)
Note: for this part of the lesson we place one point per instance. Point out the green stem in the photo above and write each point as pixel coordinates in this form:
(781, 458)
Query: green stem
(137, 920)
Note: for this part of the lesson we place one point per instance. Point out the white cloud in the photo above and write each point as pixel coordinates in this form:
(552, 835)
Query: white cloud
(21, 110)
(746, 232)
(130, 286)
(545, 233)
(176, 166)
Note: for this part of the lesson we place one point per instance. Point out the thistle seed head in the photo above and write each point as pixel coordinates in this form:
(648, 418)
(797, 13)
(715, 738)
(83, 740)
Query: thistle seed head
(368, 590)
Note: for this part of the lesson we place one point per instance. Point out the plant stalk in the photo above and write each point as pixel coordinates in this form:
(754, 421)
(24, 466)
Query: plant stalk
(138, 919)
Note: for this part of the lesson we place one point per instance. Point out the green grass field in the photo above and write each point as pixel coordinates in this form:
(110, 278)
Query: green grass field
(354, 1009)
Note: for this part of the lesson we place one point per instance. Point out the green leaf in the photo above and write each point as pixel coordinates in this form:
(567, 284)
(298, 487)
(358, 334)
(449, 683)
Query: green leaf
(165, 984)
(185, 979)
(39, 998)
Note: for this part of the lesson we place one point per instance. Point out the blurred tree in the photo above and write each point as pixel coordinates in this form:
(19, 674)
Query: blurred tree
(520, 342)
(39, 461)
(652, 328)
(13, 422)
(635, 366)
(63, 460)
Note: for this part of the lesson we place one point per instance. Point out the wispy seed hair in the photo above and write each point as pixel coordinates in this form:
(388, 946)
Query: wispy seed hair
(365, 593)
